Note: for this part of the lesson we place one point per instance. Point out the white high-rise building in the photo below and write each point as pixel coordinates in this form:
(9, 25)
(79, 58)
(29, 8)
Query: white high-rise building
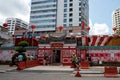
(49, 14)
(116, 19)
(13, 23)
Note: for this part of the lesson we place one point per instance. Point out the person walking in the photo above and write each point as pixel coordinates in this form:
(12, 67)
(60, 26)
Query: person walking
(44, 60)
(74, 60)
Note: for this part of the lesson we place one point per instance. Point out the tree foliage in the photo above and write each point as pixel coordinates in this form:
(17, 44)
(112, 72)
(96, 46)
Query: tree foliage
(23, 43)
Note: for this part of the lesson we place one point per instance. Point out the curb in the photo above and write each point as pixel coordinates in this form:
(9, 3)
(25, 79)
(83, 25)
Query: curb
(2, 71)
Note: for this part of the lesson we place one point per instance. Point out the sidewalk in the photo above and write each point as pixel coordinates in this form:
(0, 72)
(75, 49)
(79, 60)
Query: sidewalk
(50, 69)
(92, 71)
(5, 68)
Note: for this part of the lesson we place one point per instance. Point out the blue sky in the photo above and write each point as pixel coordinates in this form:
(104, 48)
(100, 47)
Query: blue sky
(100, 12)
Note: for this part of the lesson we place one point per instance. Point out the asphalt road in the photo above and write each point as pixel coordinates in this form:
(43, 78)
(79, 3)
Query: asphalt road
(48, 76)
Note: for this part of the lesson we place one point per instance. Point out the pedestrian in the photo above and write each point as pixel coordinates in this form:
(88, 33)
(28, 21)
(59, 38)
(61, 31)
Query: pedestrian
(16, 61)
(20, 57)
(44, 60)
(74, 60)
(31, 57)
(28, 57)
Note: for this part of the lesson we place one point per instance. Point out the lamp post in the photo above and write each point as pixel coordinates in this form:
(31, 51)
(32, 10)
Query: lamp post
(33, 27)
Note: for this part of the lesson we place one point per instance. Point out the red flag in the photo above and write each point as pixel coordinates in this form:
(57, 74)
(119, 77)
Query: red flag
(83, 24)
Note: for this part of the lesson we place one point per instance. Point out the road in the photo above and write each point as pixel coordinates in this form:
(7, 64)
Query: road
(48, 76)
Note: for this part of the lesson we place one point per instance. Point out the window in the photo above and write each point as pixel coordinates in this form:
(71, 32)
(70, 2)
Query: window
(70, 25)
(70, 9)
(70, 14)
(43, 11)
(79, 19)
(79, 14)
(64, 25)
(71, 0)
(65, 0)
(65, 20)
(80, 24)
(65, 10)
(70, 20)
(65, 5)
(70, 5)
(65, 15)
(70, 30)
(79, 9)
(79, 4)
(64, 31)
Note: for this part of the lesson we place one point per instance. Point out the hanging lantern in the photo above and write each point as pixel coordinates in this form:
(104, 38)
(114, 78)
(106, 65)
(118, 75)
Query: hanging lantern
(60, 28)
(88, 28)
(5, 25)
(114, 29)
(33, 26)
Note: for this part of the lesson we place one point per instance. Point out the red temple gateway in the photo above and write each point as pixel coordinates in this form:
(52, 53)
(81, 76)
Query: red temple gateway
(59, 49)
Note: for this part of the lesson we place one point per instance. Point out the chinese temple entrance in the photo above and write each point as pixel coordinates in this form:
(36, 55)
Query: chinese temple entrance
(56, 56)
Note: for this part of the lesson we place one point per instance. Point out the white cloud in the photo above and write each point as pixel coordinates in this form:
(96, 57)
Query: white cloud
(101, 29)
(98, 28)
(14, 8)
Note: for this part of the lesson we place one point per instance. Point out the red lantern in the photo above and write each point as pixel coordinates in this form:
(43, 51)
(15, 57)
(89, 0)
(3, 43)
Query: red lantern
(114, 28)
(5, 25)
(33, 26)
(88, 28)
(60, 28)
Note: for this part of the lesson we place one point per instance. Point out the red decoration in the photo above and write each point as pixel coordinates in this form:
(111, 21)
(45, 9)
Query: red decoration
(88, 28)
(44, 37)
(72, 37)
(83, 24)
(5, 25)
(14, 37)
(60, 28)
(33, 26)
(114, 28)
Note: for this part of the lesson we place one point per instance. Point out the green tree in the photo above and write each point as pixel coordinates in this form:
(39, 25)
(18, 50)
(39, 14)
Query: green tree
(20, 49)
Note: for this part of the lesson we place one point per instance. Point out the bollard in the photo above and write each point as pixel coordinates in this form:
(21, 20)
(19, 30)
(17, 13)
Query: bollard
(77, 74)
